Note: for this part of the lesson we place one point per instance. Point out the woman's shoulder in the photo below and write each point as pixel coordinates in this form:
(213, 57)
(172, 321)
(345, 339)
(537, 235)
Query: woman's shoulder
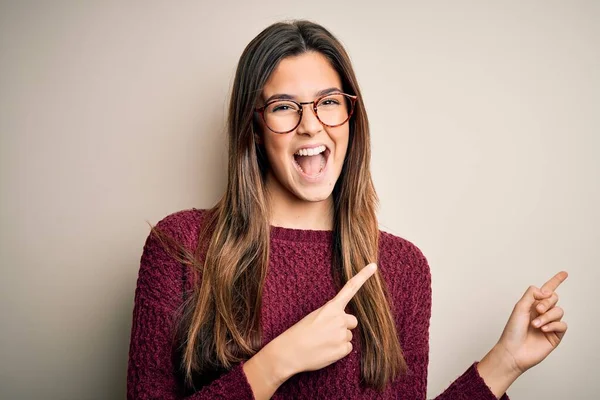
(401, 260)
(399, 248)
(183, 225)
(161, 274)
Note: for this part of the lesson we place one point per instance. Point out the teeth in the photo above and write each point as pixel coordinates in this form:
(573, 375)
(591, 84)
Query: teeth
(311, 152)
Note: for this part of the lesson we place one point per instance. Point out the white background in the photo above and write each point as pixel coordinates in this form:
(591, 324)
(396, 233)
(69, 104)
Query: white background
(485, 124)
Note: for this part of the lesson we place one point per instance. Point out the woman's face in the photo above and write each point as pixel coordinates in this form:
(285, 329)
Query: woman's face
(304, 78)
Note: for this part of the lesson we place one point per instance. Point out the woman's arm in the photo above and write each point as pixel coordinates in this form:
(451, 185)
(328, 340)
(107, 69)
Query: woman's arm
(534, 329)
(266, 371)
(497, 371)
(522, 345)
(158, 295)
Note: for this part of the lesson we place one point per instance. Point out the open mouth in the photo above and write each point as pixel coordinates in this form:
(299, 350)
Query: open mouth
(312, 165)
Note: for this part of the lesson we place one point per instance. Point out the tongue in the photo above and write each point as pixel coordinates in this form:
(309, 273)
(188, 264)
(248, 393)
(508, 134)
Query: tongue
(311, 165)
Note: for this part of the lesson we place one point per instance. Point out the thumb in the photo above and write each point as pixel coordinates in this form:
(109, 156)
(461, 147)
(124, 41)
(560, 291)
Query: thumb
(530, 297)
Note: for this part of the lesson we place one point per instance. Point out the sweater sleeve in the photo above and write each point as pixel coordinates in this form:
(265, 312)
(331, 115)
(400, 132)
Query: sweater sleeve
(470, 385)
(158, 295)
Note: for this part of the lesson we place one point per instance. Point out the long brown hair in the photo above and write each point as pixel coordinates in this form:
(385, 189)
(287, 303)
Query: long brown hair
(220, 322)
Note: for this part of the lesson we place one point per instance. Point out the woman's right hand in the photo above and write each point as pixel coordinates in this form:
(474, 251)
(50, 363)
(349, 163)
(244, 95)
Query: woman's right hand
(323, 336)
(317, 340)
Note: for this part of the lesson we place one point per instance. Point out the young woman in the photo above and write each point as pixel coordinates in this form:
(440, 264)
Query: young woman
(287, 288)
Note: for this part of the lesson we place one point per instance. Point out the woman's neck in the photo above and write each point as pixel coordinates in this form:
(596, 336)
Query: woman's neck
(302, 215)
(289, 211)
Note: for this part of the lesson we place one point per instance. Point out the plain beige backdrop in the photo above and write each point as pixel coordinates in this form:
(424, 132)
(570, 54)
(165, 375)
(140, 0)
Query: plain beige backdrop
(485, 124)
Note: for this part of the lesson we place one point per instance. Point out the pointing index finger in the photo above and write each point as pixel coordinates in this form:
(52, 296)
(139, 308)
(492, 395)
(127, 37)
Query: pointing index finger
(353, 285)
(555, 281)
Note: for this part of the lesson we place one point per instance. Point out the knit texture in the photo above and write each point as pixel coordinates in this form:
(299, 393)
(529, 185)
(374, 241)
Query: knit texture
(298, 281)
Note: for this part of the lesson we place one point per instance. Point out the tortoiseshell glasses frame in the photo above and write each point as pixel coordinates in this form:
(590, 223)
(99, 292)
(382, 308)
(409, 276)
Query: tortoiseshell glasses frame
(351, 101)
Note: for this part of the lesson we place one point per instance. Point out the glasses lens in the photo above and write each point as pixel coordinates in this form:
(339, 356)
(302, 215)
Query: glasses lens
(334, 109)
(282, 116)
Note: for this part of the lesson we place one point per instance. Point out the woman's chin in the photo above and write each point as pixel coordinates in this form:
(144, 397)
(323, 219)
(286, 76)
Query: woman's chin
(313, 194)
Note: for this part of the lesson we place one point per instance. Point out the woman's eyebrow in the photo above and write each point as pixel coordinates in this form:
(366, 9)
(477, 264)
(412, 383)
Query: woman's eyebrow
(285, 96)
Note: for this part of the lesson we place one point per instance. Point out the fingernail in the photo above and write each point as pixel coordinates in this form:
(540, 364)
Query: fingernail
(537, 322)
(373, 266)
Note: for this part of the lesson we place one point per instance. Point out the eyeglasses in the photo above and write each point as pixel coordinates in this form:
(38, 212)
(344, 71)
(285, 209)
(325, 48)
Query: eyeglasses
(283, 116)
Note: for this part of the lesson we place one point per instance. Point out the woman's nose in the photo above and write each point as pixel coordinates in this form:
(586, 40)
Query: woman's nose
(309, 124)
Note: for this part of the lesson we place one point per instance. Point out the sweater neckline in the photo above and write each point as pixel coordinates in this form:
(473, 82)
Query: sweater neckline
(301, 235)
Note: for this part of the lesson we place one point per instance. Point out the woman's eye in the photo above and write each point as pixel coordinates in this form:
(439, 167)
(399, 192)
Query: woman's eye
(329, 102)
(285, 107)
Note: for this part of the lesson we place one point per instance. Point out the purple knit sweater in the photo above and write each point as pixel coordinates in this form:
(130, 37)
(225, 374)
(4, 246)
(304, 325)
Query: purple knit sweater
(298, 282)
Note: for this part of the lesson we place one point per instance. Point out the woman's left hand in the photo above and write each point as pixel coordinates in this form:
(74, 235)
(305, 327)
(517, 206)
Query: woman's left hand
(534, 328)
